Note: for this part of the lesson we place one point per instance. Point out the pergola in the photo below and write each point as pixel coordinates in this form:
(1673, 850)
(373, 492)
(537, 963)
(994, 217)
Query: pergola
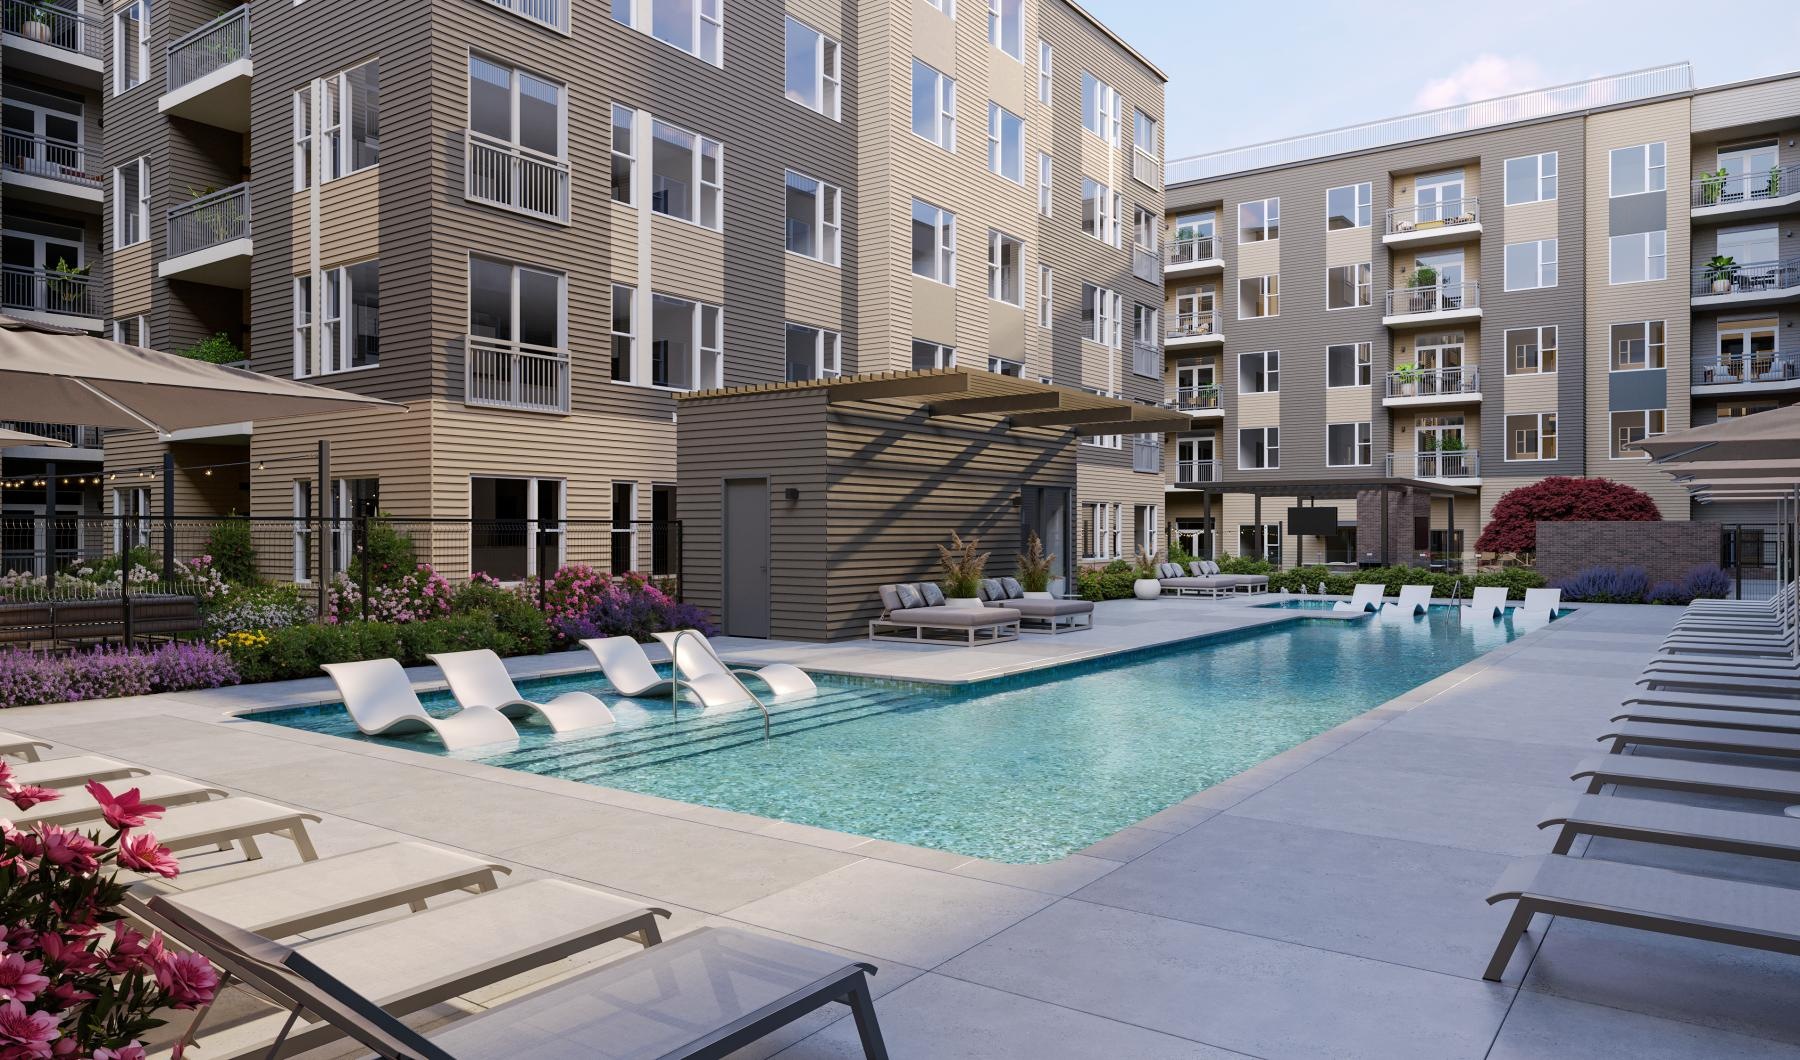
(1346, 489)
(945, 392)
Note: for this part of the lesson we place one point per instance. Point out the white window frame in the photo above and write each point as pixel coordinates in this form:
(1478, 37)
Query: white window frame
(1106, 212)
(1538, 419)
(1046, 71)
(997, 273)
(137, 337)
(708, 344)
(1101, 105)
(1656, 354)
(828, 351)
(1541, 331)
(1545, 265)
(131, 511)
(626, 296)
(703, 189)
(827, 72)
(1362, 448)
(625, 118)
(336, 156)
(1271, 371)
(1644, 417)
(336, 317)
(943, 254)
(997, 155)
(1006, 366)
(1540, 174)
(1002, 15)
(1362, 287)
(303, 540)
(1655, 168)
(707, 28)
(942, 356)
(1103, 517)
(1269, 448)
(1046, 299)
(827, 219)
(1363, 355)
(948, 7)
(944, 99)
(1146, 524)
(1651, 252)
(1046, 182)
(1271, 208)
(1271, 292)
(1362, 211)
(1106, 309)
(120, 206)
(136, 11)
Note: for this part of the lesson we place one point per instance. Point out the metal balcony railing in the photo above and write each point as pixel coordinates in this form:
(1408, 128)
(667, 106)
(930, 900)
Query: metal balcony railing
(1146, 264)
(1722, 189)
(552, 13)
(77, 436)
(1435, 463)
(1434, 382)
(1430, 216)
(1757, 277)
(1147, 359)
(1146, 452)
(1189, 251)
(516, 178)
(210, 220)
(516, 375)
(1196, 471)
(1192, 326)
(56, 25)
(209, 47)
(1763, 366)
(1445, 298)
(46, 156)
(49, 291)
(1197, 398)
(1146, 168)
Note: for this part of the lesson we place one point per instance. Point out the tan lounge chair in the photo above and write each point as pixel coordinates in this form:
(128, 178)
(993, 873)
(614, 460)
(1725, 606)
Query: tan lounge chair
(235, 820)
(74, 771)
(11, 743)
(78, 807)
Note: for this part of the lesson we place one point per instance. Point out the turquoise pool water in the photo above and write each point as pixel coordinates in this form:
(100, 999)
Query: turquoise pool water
(1022, 769)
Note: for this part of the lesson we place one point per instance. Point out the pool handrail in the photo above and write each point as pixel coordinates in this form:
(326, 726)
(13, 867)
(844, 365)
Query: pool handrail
(680, 682)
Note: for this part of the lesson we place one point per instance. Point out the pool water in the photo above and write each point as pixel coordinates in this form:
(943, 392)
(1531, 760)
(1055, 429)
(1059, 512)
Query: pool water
(1022, 769)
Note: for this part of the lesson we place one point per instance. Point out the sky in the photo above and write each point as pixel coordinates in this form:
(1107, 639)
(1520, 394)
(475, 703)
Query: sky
(1241, 73)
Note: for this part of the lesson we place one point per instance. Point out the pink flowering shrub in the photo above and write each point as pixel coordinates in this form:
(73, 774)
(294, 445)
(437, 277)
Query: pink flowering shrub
(632, 607)
(419, 596)
(75, 979)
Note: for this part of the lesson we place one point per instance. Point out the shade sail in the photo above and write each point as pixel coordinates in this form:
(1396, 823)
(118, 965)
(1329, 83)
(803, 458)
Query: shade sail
(1771, 435)
(8, 439)
(1731, 469)
(53, 375)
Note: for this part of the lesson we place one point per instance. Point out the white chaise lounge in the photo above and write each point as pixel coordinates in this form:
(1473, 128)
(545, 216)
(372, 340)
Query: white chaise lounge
(1362, 598)
(699, 667)
(382, 702)
(1488, 603)
(627, 668)
(479, 679)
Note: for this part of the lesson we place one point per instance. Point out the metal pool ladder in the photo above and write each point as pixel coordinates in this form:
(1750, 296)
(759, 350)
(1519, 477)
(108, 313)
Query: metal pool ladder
(677, 684)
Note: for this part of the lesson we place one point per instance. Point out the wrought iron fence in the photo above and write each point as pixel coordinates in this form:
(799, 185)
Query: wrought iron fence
(1725, 189)
(78, 437)
(1760, 366)
(552, 13)
(1190, 251)
(56, 25)
(49, 291)
(210, 220)
(1443, 298)
(1433, 382)
(208, 48)
(1750, 555)
(1428, 216)
(49, 157)
(1750, 278)
(1192, 326)
(516, 375)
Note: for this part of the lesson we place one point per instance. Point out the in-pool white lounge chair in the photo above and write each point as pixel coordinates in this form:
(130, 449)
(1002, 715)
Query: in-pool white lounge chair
(1488, 603)
(700, 668)
(1362, 598)
(11, 743)
(1414, 600)
(627, 668)
(1543, 600)
(479, 679)
(382, 702)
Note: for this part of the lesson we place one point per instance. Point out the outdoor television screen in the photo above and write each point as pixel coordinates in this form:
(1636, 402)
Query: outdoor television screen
(1312, 522)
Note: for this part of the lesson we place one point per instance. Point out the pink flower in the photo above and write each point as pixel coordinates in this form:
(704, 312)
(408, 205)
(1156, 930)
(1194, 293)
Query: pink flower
(188, 978)
(64, 996)
(26, 1034)
(69, 849)
(25, 796)
(141, 851)
(123, 811)
(129, 1051)
(128, 951)
(20, 979)
(68, 954)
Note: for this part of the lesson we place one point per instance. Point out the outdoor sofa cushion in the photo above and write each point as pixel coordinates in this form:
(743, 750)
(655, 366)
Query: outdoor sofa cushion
(890, 597)
(959, 617)
(1014, 591)
(991, 589)
(1224, 581)
(1049, 608)
(910, 596)
(934, 596)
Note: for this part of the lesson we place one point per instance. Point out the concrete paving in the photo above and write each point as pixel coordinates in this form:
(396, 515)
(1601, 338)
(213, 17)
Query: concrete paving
(1327, 903)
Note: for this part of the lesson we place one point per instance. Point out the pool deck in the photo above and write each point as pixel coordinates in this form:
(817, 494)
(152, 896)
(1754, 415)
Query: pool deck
(1327, 903)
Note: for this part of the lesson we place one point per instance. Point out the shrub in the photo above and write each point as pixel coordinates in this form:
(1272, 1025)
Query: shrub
(1179, 554)
(388, 554)
(28, 678)
(1309, 579)
(1667, 593)
(963, 565)
(214, 349)
(1244, 565)
(513, 615)
(1706, 582)
(418, 596)
(1515, 580)
(1607, 585)
(232, 549)
(632, 609)
(298, 651)
(1513, 527)
(258, 607)
(1110, 582)
(1035, 566)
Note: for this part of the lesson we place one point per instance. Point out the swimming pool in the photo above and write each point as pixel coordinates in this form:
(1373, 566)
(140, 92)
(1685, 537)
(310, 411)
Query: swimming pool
(1021, 769)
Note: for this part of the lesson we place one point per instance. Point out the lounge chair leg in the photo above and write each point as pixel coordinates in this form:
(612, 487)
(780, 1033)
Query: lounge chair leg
(417, 905)
(303, 842)
(1509, 941)
(862, 1004)
(1564, 840)
(251, 853)
(651, 934)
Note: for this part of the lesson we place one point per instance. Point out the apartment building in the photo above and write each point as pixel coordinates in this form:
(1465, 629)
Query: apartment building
(1446, 306)
(534, 222)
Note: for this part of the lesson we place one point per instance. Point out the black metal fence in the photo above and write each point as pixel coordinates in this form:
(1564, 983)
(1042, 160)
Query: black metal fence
(1750, 555)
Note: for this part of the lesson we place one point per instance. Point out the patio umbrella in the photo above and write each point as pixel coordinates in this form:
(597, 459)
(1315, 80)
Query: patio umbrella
(9, 439)
(1772, 435)
(56, 375)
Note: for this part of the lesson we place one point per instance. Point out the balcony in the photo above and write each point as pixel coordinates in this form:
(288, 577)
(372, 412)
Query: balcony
(1146, 264)
(69, 299)
(1757, 283)
(1146, 453)
(552, 13)
(54, 39)
(1190, 330)
(85, 443)
(1436, 464)
(209, 239)
(1196, 473)
(1433, 386)
(1191, 257)
(1729, 198)
(1147, 359)
(1200, 402)
(1762, 371)
(1445, 304)
(515, 178)
(1146, 168)
(208, 73)
(50, 171)
(515, 375)
(1433, 224)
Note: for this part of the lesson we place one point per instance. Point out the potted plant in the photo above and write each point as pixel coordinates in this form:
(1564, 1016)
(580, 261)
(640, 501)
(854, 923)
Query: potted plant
(963, 565)
(1712, 186)
(37, 24)
(68, 287)
(1774, 182)
(1722, 271)
(1406, 377)
(1145, 586)
(1035, 566)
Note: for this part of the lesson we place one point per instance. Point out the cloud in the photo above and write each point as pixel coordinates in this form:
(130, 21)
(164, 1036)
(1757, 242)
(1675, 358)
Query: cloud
(1482, 77)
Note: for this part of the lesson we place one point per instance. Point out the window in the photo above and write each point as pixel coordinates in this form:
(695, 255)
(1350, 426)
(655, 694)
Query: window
(1751, 244)
(1531, 178)
(813, 353)
(1637, 346)
(1003, 366)
(1006, 275)
(1259, 221)
(516, 303)
(1259, 296)
(1348, 364)
(1639, 257)
(131, 203)
(1045, 64)
(1348, 286)
(932, 355)
(695, 26)
(1046, 300)
(129, 331)
(624, 332)
(1636, 170)
(1044, 184)
(1143, 134)
(948, 7)
(349, 320)
(623, 529)
(303, 524)
(1530, 350)
(1100, 316)
(1006, 27)
(1100, 108)
(1101, 212)
(1145, 329)
(1145, 227)
(934, 106)
(1530, 265)
(814, 228)
(1259, 372)
(528, 515)
(1145, 523)
(1006, 143)
(1347, 445)
(131, 45)
(1100, 530)
(686, 175)
(1746, 352)
(1259, 448)
(814, 77)
(1266, 539)
(132, 530)
(1629, 427)
(686, 344)
(349, 126)
(1531, 436)
(624, 154)
(934, 243)
(1351, 206)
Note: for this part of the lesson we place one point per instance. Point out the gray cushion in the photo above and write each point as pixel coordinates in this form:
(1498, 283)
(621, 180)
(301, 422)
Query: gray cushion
(910, 597)
(1209, 567)
(890, 597)
(993, 589)
(1050, 608)
(934, 596)
(1014, 591)
(955, 617)
(1168, 570)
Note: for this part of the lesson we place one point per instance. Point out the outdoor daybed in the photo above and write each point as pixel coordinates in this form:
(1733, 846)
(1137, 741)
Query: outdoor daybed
(1038, 614)
(1243, 583)
(921, 608)
(1175, 580)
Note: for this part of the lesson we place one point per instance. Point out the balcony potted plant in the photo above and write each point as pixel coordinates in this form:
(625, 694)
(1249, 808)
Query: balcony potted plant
(1712, 186)
(1406, 379)
(1145, 586)
(1035, 566)
(37, 24)
(1722, 270)
(963, 565)
(67, 287)
(1774, 189)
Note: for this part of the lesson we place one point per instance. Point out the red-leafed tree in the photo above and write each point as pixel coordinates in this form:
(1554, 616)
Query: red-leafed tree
(1560, 499)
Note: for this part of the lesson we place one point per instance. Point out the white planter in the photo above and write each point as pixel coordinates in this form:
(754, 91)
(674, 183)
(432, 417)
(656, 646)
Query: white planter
(963, 601)
(1721, 286)
(1029, 595)
(1058, 586)
(37, 31)
(1147, 588)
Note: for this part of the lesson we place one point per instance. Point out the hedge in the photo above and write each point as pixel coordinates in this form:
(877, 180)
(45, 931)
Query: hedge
(1113, 581)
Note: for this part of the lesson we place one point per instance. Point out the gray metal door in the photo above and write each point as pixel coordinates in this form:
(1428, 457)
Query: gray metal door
(747, 557)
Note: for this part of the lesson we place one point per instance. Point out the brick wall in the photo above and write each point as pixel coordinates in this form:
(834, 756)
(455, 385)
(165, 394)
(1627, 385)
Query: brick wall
(1668, 550)
(1406, 507)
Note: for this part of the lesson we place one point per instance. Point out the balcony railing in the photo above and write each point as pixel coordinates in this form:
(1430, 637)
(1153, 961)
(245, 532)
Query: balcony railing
(55, 25)
(1434, 382)
(1447, 298)
(516, 375)
(552, 13)
(1765, 366)
(1146, 264)
(1431, 216)
(1146, 168)
(1189, 251)
(1760, 277)
(1146, 452)
(48, 157)
(1147, 359)
(1197, 398)
(78, 437)
(1725, 190)
(1435, 463)
(212, 46)
(49, 291)
(516, 178)
(1193, 326)
(210, 220)
(1196, 471)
